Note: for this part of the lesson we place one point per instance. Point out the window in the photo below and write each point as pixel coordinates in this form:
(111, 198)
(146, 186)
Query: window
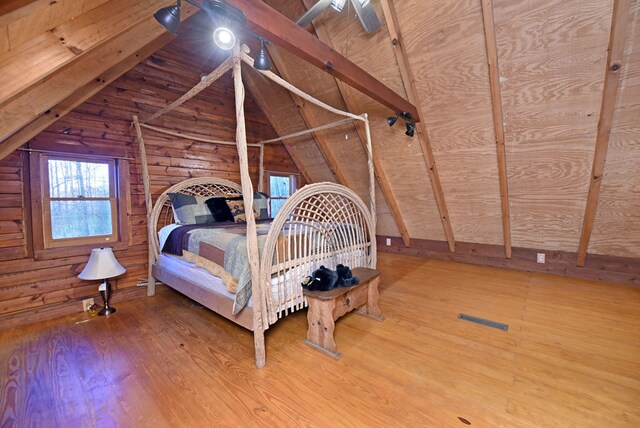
(281, 186)
(76, 201)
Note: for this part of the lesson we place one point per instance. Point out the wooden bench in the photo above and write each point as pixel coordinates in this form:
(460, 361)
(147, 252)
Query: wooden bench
(325, 307)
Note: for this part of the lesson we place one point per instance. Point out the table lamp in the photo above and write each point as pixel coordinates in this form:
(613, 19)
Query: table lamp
(103, 265)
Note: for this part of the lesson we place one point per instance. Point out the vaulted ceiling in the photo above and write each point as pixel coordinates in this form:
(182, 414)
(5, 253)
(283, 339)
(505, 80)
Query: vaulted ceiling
(509, 150)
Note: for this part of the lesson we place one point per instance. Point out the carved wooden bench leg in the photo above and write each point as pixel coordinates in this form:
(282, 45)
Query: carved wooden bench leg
(321, 327)
(371, 308)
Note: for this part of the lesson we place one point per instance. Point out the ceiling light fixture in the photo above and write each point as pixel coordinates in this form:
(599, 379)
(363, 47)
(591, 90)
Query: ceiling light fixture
(169, 17)
(224, 38)
(411, 126)
(262, 61)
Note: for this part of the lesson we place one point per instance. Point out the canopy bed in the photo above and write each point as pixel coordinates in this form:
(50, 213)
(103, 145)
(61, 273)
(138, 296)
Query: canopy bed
(252, 274)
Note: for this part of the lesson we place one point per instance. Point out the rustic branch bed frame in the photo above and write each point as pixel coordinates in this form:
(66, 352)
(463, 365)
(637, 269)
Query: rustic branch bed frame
(322, 223)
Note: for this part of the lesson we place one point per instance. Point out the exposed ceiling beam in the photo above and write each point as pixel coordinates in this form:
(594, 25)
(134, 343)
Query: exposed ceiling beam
(421, 130)
(81, 95)
(44, 95)
(269, 23)
(615, 55)
(496, 105)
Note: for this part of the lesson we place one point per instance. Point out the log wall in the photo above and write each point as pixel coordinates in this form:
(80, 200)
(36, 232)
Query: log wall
(31, 289)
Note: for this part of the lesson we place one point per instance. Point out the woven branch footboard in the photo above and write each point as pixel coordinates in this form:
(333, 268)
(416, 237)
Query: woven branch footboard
(321, 224)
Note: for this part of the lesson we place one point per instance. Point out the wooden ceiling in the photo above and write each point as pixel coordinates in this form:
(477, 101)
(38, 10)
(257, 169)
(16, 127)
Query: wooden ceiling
(529, 133)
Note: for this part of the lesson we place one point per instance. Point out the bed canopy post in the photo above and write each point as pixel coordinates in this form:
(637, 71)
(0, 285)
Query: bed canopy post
(247, 196)
(261, 173)
(151, 284)
(372, 177)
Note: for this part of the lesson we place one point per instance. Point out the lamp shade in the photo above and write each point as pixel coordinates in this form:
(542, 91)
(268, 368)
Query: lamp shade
(102, 264)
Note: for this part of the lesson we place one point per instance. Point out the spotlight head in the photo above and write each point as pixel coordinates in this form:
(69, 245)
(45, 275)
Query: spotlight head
(410, 129)
(392, 120)
(224, 38)
(262, 61)
(169, 18)
(405, 115)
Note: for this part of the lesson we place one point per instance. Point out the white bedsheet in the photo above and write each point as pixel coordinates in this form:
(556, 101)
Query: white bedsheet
(163, 233)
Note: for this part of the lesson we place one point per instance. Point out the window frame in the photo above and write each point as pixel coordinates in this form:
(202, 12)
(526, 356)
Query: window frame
(43, 244)
(293, 186)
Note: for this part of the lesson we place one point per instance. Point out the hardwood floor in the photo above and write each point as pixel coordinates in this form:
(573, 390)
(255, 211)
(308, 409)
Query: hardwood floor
(571, 358)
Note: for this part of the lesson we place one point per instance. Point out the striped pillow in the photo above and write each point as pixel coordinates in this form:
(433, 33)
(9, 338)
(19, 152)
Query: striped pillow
(189, 209)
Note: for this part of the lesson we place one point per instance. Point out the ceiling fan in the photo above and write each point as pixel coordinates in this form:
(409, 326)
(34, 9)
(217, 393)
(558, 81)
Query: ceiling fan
(365, 11)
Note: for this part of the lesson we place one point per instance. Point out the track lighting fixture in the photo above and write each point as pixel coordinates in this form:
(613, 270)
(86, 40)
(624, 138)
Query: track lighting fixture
(169, 18)
(262, 61)
(411, 127)
(226, 20)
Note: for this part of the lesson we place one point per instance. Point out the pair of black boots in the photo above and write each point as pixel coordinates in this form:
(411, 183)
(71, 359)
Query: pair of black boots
(324, 279)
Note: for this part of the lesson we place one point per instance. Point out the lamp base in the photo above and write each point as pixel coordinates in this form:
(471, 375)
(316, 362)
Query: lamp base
(105, 292)
(107, 311)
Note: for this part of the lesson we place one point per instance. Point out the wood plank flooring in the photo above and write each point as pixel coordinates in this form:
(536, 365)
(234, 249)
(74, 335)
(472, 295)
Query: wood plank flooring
(571, 358)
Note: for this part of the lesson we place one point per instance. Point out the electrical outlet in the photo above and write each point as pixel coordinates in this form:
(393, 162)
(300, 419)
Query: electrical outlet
(540, 258)
(87, 303)
(388, 242)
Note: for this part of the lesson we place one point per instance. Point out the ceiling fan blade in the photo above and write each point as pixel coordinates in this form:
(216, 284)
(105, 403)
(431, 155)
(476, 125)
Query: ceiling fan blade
(367, 16)
(313, 12)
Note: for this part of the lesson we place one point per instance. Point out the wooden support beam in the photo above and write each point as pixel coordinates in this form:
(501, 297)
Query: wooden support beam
(421, 130)
(203, 84)
(619, 21)
(496, 105)
(266, 21)
(80, 95)
(21, 110)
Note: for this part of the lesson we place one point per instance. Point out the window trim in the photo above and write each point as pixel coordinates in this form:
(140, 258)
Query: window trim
(293, 186)
(40, 215)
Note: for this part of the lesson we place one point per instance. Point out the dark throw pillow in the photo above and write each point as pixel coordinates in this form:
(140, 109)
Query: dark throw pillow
(219, 208)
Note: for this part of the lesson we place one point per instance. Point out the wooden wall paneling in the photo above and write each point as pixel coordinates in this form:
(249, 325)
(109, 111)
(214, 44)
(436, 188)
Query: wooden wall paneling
(399, 156)
(619, 21)
(420, 130)
(381, 177)
(616, 228)
(42, 96)
(13, 232)
(204, 82)
(552, 60)
(498, 127)
(443, 45)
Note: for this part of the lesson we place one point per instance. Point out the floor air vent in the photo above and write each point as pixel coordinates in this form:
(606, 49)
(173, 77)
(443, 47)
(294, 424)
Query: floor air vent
(482, 321)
